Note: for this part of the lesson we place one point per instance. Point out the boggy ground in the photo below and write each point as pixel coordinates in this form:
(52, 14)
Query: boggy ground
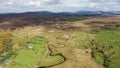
(79, 44)
(66, 45)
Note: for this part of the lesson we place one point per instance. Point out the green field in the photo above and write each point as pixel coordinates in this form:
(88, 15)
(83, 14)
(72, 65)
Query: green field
(28, 52)
(107, 46)
(27, 57)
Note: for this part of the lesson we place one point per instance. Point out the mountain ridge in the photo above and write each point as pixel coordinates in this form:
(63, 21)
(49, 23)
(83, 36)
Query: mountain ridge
(78, 12)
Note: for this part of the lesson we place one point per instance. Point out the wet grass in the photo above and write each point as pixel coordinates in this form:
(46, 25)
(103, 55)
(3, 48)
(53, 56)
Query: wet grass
(106, 47)
(99, 57)
(108, 43)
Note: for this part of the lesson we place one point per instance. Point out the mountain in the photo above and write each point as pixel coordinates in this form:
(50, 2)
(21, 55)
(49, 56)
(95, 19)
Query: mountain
(37, 13)
(98, 12)
(90, 12)
(115, 12)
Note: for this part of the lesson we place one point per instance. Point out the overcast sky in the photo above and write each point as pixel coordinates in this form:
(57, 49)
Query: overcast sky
(58, 5)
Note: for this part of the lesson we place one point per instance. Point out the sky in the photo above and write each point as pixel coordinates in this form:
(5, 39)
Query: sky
(17, 6)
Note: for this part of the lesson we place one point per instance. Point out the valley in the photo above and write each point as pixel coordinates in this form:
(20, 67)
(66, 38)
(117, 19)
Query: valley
(59, 41)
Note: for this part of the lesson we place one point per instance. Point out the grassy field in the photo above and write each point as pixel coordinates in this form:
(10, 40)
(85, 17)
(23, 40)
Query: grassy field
(82, 38)
(52, 60)
(29, 57)
(72, 19)
(88, 43)
(28, 52)
(107, 46)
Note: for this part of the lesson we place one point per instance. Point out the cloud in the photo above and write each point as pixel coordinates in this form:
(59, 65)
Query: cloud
(58, 5)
